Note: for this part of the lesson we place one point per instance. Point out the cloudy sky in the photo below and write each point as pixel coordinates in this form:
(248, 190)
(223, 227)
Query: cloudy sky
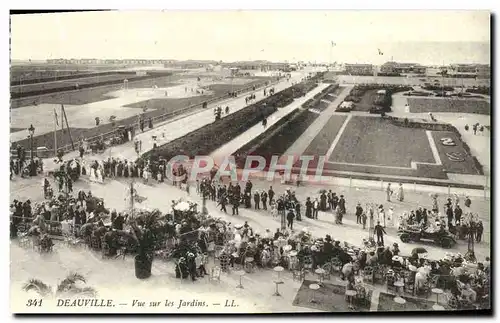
(427, 37)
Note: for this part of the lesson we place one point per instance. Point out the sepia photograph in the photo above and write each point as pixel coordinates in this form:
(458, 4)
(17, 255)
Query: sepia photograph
(250, 162)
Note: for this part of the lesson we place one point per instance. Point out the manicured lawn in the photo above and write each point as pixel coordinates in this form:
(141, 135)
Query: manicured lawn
(277, 143)
(208, 138)
(324, 139)
(372, 145)
(467, 166)
(89, 95)
(155, 108)
(37, 71)
(375, 141)
(419, 105)
(61, 84)
(367, 100)
(170, 105)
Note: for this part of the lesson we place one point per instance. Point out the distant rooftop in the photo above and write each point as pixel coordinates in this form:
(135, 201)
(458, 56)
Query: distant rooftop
(392, 63)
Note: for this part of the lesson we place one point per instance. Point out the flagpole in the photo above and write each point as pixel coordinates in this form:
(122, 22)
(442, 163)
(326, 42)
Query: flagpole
(331, 50)
(62, 119)
(55, 132)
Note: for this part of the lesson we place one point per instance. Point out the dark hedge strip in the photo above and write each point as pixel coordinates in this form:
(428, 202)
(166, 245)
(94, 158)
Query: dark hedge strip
(208, 138)
(18, 95)
(284, 133)
(486, 90)
(62, 77)
(385, 101)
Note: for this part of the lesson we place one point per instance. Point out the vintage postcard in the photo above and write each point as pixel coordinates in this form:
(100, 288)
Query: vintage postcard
(250, 162)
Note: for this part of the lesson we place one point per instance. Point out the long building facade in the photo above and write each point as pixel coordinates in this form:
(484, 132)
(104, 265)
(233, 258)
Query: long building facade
(359, 69)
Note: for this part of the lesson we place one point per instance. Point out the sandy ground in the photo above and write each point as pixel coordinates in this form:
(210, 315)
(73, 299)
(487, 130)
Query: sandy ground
(173, 129)
(83, 116)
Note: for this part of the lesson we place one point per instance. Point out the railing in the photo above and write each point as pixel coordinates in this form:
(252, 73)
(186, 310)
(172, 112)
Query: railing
(158, 119)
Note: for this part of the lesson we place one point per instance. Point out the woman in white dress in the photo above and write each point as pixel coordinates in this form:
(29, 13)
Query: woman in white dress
(145, 175)
(390, 217)
(92, 174)
(381, 215)
(399, 222)
(400, 193)
(98, 172)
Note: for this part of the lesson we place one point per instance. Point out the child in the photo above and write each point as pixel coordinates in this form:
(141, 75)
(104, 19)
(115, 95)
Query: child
(200, 265)
(274, 210)
(363, 219)
(479, 231)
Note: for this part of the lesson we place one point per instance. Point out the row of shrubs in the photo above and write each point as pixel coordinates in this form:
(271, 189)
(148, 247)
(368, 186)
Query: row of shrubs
(357, 73)
(208, 138)
(314, 101)
(388, 74)
(439, 88)
(284, 133)
(486, 90)
(56, 76)
(382, 101)
(278, 138)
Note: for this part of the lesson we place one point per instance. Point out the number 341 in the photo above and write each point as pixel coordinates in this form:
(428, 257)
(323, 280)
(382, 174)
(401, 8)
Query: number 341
(34, 302)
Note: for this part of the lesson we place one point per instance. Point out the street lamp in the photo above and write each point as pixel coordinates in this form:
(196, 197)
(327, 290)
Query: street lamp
(31, 131)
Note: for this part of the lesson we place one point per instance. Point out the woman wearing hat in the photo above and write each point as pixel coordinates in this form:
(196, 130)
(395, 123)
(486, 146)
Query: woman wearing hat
(400, 193)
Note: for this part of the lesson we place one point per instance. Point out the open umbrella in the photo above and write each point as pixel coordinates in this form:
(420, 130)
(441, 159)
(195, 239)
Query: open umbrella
(418, 250)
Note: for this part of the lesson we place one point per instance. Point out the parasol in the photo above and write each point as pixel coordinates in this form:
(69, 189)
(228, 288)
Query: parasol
(397, 258)
(182, 206)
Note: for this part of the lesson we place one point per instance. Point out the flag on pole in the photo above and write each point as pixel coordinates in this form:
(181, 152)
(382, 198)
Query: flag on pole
(333, 44)
(62, 118)
(380, 52)
(56, 118)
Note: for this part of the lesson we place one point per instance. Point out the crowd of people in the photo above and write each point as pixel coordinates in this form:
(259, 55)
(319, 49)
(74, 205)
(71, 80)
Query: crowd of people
(192, 239)
(475, 128)
(21, 165)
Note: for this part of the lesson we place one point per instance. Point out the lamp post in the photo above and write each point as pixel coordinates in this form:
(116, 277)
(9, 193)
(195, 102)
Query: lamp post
(31, 131)
(283, 219)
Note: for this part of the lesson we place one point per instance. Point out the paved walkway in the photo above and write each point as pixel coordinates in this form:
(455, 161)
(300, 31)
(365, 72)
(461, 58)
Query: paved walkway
(300, 145)
(252, 133)
(171, 130)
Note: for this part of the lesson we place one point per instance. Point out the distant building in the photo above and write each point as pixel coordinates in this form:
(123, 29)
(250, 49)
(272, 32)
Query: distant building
(483, 71)
(402, 68)
(468, 70)
(463, 69)
(359, 69)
